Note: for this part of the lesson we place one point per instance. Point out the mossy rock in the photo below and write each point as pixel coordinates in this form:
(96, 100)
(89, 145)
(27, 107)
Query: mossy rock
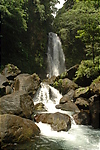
(65, 85)
(16, 129)
(11, 71)
(95, 86)
(82, 91)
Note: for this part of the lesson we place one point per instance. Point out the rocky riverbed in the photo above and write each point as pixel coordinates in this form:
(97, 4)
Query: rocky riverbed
(18, 112)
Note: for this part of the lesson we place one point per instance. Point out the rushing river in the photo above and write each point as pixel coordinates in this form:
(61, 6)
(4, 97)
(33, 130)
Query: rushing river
(79, 137)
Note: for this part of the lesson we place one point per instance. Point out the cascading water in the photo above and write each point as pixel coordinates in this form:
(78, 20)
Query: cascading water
(55, 56)
(49, 96)
(79, 137)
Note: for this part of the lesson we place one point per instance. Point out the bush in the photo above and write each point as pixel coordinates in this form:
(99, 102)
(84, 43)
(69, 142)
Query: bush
(88, 69)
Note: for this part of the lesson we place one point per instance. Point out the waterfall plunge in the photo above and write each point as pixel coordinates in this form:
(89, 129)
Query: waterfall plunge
(49, 96)
(55, 56)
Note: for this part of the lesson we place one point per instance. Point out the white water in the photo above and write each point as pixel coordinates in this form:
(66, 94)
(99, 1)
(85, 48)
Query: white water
(79, 137)
(55, 56)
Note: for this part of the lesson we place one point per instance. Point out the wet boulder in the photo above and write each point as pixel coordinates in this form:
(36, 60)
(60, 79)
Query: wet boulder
(67, 97)
(17, 103)
(82, 92)
(50, 81)
(16, 129)
(82, 118)
(65, 85)
(28, 83)
(58, 121)
(39, 107)
(82, 103)
(64, 99)
(68, 106)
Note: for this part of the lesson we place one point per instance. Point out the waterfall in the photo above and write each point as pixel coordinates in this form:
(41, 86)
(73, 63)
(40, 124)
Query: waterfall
(49, 96)
(55, 56)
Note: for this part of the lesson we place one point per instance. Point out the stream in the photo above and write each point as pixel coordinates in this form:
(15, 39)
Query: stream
(79, 137)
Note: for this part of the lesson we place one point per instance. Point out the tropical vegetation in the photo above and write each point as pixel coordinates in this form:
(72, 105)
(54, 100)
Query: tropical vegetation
(25, 25)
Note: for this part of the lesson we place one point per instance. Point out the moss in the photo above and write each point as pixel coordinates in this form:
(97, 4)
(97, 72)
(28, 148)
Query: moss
(60, 81)
(96, 80)
(63, 75)
(55, 84)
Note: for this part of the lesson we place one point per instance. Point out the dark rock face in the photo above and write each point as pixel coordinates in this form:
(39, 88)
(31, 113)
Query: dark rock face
(82, 118)
(58, 121)
(17, 103)
(16, 129)
(95, 110)
(28, 83)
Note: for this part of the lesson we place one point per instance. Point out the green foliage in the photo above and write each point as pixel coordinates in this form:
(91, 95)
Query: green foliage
(63, 75)
(81, 17)
(90, 35)
(88, 69)
(25, 26)
(60, 81)
(55, 84)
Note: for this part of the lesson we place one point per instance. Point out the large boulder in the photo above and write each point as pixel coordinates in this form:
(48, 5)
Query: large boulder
(95, 86)
(28, 83)
(95, 110)
(67, 97)
(65, 85)
(58, 121)
(10, 71)
(14, 129)
(82, 103)
(68, 106)
(17, 103)
(82, 118)
(82, 92)
(50, 81)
